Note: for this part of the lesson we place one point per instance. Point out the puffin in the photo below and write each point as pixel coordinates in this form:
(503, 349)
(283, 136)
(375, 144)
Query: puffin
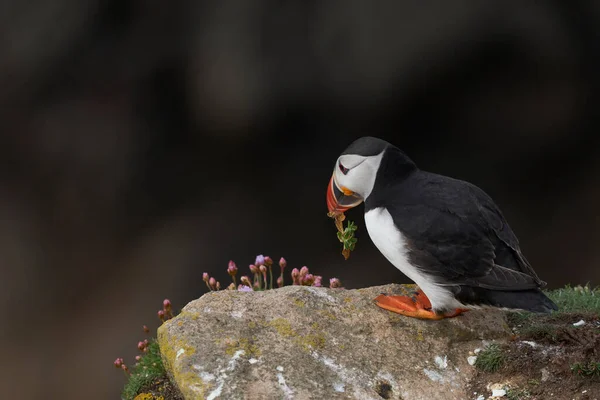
(446, 235)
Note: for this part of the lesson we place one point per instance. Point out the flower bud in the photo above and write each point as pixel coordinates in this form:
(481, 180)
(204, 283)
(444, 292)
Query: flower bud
(205, 277)
(318, 281)
(268, 261)
(167, 305)
(161, 315)
(118, 362)
(231, 286)
(334, 283)
(280, 282)
(295, 275)
(138, 358)
(253, 269)
(245, 281)
(212, 282)
(146, 329)
(232, 268)
(218, 285)
(303, 271)
(263, 269)
(141, 346)
(282, 263)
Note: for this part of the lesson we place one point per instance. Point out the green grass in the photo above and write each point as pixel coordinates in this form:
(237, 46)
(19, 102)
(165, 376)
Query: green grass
(149, 368)
(576, 299)
(490, 359)
(586, 369)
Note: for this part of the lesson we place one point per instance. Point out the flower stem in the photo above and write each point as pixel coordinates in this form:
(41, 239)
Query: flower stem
(271, 277)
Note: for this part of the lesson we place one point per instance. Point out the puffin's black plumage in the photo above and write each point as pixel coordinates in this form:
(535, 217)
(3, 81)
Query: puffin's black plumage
(455, 232)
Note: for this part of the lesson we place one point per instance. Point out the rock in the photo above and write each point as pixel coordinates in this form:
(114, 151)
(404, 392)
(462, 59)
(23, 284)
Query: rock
(316, 343)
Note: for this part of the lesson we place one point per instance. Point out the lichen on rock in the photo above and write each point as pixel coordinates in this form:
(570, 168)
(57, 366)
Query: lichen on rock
(302, 342)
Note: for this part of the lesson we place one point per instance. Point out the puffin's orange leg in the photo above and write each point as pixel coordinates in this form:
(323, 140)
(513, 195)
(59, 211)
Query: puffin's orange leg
(418, 306)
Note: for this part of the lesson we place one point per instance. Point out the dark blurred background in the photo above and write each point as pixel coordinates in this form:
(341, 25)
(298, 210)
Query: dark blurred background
(144, 142)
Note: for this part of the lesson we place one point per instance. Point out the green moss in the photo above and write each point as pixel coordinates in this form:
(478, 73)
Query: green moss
(490, 359)
(149, 369)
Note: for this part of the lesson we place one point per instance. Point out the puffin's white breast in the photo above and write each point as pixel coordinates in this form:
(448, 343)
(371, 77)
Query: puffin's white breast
(392, 244)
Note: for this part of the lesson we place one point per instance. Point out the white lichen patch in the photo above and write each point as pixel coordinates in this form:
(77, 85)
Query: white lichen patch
(433, 375)
(223, 375)
(532, 344)
(179, 353)
(237, 314)
(287, 391)
(353, 378)
(279, 368)
(472, 360)
(339, 387)
(207, 377)
(253, 361)
(441, 363)
(444, 376)
(321, 293)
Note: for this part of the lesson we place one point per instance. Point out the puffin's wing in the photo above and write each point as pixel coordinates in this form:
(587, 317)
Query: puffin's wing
(456, 247)
(508, 251)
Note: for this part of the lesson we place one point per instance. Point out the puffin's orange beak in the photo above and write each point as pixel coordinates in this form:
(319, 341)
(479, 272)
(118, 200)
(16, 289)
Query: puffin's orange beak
(341, 199)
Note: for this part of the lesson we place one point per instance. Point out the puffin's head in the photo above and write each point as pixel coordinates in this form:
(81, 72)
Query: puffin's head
(354, 174)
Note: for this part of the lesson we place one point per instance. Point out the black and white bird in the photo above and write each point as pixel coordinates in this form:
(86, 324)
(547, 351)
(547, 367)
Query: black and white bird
(445, 234)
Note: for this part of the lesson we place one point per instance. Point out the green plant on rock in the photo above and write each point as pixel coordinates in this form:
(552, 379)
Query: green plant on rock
(588, 369)
(490, 359)
(147, 370)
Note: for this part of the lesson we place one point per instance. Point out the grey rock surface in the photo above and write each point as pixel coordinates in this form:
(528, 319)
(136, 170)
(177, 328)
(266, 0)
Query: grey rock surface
(317, 343)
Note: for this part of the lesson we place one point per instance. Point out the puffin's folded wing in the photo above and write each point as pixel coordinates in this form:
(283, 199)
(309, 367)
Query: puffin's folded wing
(457, 249)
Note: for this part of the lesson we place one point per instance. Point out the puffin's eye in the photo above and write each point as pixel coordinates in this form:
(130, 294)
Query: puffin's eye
(343, 169)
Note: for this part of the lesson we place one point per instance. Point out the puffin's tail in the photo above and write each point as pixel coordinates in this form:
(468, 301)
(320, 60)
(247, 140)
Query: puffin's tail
(533, 300)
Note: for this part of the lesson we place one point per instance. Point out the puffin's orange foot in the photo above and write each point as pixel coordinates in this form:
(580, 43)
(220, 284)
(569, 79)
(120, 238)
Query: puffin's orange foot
(418, 306)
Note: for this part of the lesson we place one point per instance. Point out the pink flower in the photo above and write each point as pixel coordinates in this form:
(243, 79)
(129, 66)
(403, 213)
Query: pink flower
(334, 283)
(260, 260)
(308, 280)
(244, 288)
(318, 281)
(118, 362)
